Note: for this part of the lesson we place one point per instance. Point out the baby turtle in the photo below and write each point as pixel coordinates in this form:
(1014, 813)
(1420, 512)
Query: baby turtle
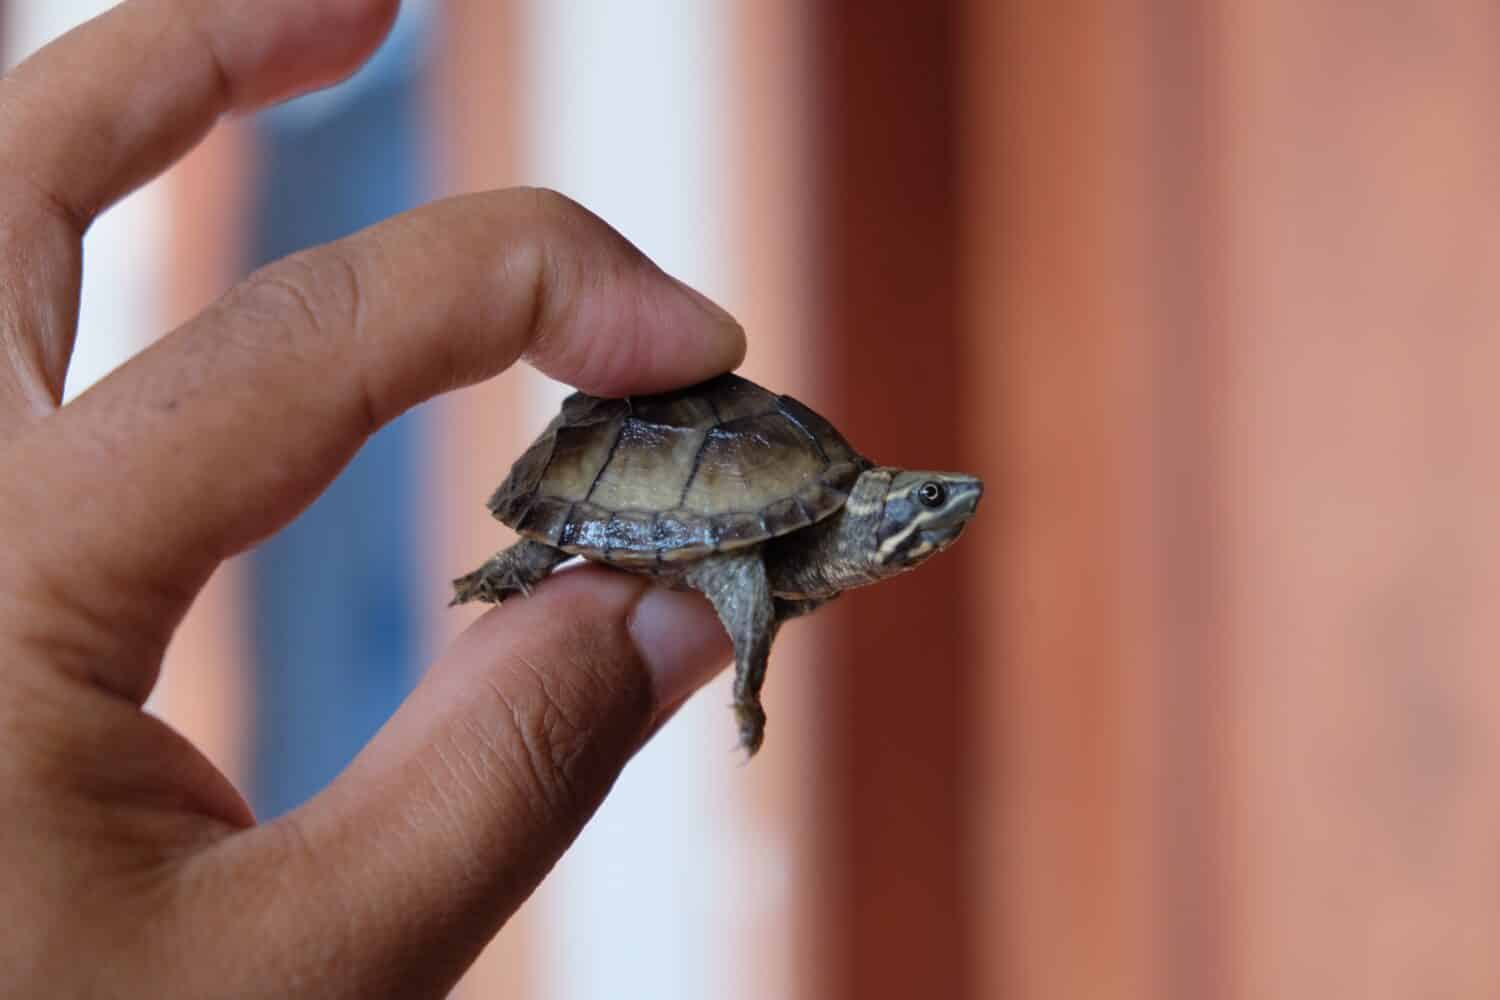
(725, 488)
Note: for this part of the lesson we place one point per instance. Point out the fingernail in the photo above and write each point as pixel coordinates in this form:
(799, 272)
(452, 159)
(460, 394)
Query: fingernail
(715, 312)
(680, 640)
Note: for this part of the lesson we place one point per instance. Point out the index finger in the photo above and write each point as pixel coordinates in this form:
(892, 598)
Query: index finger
(221, 432)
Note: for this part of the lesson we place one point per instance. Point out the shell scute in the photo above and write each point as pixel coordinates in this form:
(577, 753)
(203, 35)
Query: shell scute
(676, 476)
(739, 399)
(784, 516)
(749, 463)
(545, 519)
(631, 531)
(675, 409)
(585, 528)
(681, 529)
(730, 530)
(648, 467)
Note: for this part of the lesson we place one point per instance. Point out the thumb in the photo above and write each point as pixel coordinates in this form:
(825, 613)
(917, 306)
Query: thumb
(392, 880)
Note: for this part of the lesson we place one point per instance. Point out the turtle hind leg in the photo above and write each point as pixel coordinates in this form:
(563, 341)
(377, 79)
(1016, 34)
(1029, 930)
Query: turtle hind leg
(736, 586)
(512, 571)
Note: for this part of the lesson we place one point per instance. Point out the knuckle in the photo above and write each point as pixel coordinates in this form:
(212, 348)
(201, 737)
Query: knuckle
(309, 296)
(576, 234)
(591, 307)
(310, 307)
(552, 206)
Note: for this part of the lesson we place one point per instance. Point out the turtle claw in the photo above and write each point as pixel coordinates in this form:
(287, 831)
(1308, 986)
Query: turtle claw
(752, 722)
(490, 584)
(517, 570)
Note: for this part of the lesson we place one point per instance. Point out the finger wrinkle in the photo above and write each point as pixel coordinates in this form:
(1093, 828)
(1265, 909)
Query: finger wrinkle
(312, 321)
(223, 86)
(565, 345)
(451, 798)
(39, 297)
(74, 609)
(546, 773)
(24, 360)
(373, 411)
(540, 280)
(117, 650)
(75, 219)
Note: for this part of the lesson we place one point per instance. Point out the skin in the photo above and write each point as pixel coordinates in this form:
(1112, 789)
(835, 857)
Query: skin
(132, 867)
(894, 520)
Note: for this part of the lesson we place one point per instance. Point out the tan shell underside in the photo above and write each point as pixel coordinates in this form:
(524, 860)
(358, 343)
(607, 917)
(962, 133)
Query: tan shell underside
(674, 477)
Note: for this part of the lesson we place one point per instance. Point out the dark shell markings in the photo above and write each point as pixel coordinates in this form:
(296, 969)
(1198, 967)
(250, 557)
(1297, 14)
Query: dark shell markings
(676, 477)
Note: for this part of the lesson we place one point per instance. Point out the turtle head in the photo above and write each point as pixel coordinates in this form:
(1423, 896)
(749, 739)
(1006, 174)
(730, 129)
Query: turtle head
(920, 513)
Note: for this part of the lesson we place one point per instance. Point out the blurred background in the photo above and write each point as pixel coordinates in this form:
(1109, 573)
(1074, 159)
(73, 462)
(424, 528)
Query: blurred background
(1206, 703)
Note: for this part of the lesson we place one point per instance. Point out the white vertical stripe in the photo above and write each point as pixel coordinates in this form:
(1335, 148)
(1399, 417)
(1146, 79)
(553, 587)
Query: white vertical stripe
(122, 306)
(624, 109)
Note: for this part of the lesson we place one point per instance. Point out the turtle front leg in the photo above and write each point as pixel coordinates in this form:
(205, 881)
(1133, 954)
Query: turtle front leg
(736, 586)
(513, 571)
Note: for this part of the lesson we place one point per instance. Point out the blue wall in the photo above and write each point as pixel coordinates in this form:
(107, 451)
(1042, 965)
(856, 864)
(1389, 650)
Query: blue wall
(336, 631)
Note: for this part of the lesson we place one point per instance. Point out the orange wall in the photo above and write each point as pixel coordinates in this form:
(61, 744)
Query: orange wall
(1230, 287)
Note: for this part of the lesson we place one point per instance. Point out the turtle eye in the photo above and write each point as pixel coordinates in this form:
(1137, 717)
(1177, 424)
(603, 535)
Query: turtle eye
(932, 494)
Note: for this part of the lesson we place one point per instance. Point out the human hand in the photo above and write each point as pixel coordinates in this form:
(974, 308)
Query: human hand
(132, 867)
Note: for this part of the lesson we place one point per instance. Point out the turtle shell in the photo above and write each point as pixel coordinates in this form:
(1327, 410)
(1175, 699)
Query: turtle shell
(674, 477)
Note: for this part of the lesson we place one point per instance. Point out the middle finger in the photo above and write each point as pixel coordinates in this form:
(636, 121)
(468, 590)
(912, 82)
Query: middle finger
(110, 105)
